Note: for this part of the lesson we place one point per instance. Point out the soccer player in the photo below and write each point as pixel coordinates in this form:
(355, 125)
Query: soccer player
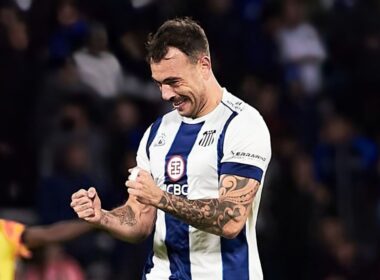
(202, 170)
(16, 240)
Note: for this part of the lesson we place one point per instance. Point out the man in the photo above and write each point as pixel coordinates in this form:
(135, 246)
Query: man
(201, 172)
(16, 240)
(98, 68)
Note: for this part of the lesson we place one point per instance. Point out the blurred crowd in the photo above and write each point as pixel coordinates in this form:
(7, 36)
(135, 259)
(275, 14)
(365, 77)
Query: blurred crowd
(76, 96)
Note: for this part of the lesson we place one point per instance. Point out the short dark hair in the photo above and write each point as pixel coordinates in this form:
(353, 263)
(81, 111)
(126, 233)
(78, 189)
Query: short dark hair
(181, 33)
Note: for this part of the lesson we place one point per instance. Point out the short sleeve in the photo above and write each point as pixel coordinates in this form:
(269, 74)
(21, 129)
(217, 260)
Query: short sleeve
(246, 147)
(143, 154)
(142, 157)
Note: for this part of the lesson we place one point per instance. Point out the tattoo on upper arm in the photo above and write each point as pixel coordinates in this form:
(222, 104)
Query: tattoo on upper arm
(235, 197)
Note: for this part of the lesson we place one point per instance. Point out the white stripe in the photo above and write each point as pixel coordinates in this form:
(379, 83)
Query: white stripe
(205, 255)
(161, 264)
(205, 251)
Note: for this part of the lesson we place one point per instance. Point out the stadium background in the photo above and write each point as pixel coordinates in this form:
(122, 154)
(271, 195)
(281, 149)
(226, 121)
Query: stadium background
(73, 118)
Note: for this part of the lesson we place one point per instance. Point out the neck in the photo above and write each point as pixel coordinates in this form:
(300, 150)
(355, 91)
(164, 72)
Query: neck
(214, 96)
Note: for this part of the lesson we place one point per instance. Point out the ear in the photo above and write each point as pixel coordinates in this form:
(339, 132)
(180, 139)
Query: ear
(204, 64)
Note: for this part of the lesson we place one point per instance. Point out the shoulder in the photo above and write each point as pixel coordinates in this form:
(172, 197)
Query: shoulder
(168, 118)
(246, 118)
(79, 55)
(159, 122)
(109, 57)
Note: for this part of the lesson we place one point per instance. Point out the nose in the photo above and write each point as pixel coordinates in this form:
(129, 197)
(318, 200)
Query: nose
(167, 92)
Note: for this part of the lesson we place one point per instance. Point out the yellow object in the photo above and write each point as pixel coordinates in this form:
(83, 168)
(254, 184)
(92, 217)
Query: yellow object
(11, 248)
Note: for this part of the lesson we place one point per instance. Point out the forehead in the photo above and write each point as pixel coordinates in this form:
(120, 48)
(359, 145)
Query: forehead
(174, 64)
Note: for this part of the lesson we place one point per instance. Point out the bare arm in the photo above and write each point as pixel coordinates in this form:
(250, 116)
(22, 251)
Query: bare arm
(224, 216)
(132, 222)
(36, 236)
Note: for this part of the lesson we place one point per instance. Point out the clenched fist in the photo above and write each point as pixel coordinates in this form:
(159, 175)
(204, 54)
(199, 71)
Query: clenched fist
(144, 188)
(87, 205)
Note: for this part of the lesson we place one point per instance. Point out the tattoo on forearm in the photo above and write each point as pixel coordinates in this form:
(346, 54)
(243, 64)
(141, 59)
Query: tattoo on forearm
(212, 215)
(125, 215)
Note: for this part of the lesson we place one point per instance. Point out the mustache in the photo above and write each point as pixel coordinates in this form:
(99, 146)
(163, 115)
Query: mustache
(175, 99)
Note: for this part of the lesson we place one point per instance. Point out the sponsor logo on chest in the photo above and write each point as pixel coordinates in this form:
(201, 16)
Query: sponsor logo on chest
(175, 168)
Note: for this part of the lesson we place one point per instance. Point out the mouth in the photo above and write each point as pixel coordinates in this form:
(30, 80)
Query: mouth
(178, 102)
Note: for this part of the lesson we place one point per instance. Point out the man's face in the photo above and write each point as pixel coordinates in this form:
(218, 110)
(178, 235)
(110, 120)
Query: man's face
(181, 82)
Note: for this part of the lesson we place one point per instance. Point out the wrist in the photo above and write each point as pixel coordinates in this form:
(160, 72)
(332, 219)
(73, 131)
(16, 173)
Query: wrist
(104, 218)
(157, 200)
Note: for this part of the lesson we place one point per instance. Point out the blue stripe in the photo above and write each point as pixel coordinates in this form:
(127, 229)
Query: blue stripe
(234, 251)
(148, 265)
(235, 257)
(153, 132)
(228, 107)
(221, 139)
(240, 169)
(177, 232)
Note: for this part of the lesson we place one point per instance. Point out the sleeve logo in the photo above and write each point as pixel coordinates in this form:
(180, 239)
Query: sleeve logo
(250, 156)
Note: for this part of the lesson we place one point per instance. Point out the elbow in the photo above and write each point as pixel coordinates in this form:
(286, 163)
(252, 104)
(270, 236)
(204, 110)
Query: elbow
(139, 236)
(131, 238)
(232, 231)
(135, 240)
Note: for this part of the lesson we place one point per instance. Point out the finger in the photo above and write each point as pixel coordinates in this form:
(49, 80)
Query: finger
(79, 194)
(80, 201)
(86, 213)
(144, 176)
(144, 173)
(92, 193)
(84, 207)
(90, 219)
(134, 192)
(142, 200)
(130, 183)
(133, 185)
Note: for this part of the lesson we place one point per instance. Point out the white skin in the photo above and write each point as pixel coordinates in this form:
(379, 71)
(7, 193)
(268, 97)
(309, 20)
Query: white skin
(191, 87)
(194, 92)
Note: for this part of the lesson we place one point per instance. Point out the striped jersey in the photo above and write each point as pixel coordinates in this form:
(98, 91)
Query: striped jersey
(186, 157)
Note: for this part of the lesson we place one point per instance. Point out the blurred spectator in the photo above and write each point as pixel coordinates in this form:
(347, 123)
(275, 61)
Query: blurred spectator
(301, 48)
(74, 125)
(268, 103)
(18, 78)
(306, 201)
(55, 191)
(99, 68)
(346, 161)
(70, 33)
(124, 134)
(217, 15)
(339, 254)
(53, 264)
(261, 49)
(61, 85)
